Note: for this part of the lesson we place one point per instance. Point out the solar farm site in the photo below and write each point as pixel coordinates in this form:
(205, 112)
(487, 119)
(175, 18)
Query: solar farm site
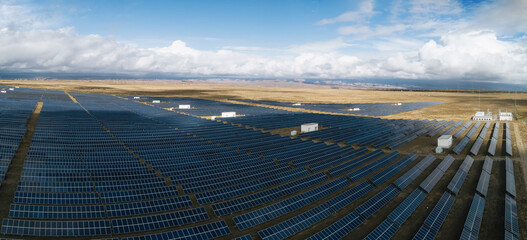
(119, 166)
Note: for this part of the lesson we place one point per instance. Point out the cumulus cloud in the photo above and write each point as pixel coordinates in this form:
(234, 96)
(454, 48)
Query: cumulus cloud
(461, 54)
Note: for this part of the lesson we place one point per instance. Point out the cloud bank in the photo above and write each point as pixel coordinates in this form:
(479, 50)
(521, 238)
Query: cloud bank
(475, 53)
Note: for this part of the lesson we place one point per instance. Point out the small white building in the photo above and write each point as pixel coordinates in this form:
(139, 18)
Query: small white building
(171, 108)
(137, 97)
(293, 133)
(11, 89)
(213, 118)
(398, 104)
(481, 116)
(309, 127)
(3, 91)
(297, 104)
(445, 141)
(185, 106)
(17, 87)
(354, 109)
(156, 101)
(228, 114)
(505, 116)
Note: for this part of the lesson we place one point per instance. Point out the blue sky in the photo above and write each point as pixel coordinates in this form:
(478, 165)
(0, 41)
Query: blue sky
(415, 39)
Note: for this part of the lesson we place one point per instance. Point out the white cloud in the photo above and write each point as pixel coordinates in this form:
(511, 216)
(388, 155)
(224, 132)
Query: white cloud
(461, 54)
(365, 11)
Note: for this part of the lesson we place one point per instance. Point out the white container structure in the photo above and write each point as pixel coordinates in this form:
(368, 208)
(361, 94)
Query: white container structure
(481, 116)
(137, 97)
(3, 91)
(228, 114)
(505, 116)
(17, 87)
(11, 89)
(293, 133)
(171, 108)
(445, 141)
(156, 101)
(297, 104)
(185, 106)
(213, 118)
(308, 127)
(399, 104)
(354, 109)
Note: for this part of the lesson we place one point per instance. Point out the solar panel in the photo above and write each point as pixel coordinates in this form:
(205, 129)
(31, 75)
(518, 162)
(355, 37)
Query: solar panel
(483, 183)
(384, 231)
(492, 146)
(407, 207)
(376, 202)
(296, 224)
(510, 184)
(206, 231)
(349, 196)
(384, 175)
(438, 215)
(373, 166)
(508, 147)
(466, 164)
(475, 215)
(511, 216)
(461, 145)
(445, 164)
(509, 165)
(431, 180)
(477, 145)
(340, 228)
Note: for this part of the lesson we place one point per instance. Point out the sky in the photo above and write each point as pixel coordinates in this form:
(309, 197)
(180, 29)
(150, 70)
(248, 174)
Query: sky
(448, 40)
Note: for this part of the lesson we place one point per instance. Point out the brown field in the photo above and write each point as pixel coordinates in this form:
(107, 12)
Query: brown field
(457, 106)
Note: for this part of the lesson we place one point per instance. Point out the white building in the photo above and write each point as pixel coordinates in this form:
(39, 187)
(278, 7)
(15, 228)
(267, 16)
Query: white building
(137, 97)
(398, 104)
(213, 118)
(3, 91)
(445, 141)
(309, 127)
(11, 89)
(481, 116)
(293, 133)
(505, 116)
(156, 101)
(17, 87)
(354, 109)
(297, 104)
(228, 114)
(185, 106)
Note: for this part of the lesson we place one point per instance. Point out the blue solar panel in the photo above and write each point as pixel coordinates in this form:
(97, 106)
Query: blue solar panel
(461, 145)
(431, 180)
(445, 164)
(384, 175)
(376, 202)
(349, 196)
(340, 228)
(298, 223)
(206, 231)
(457, 181)
(509, 166)
(475, 215)
(483, 183)
(438, 215)
(407, 207)
(405, 180)
(425, 233)
(511, 216)
(510, 184)
(384, 231)
(244, 237)
(373, 166)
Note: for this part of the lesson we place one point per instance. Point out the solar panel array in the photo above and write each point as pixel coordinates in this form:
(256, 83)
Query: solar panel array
(15, 109)
(455, 184)
(477, 145)
(438, 172)
(508, 139)
(494, 139)
(369, 109)
(112, 167)
(461, 145)
(484, 178)
(436, 218)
